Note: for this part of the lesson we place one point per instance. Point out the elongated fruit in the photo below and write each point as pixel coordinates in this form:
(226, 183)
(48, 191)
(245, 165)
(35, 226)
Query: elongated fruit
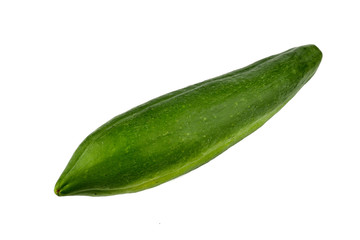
(178, 132)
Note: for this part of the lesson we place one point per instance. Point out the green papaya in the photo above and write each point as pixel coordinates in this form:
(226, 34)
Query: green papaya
(182, 130)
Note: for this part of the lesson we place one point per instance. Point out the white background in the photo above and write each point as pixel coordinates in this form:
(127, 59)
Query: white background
(66, 67)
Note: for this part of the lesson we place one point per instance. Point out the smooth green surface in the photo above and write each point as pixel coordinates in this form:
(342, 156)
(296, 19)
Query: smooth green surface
(180, 131)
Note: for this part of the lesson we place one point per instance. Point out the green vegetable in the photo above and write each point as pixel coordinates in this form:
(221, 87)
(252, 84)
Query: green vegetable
(180, 131)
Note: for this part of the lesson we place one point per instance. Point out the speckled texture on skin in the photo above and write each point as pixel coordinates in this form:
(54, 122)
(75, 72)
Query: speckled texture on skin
(180, 131)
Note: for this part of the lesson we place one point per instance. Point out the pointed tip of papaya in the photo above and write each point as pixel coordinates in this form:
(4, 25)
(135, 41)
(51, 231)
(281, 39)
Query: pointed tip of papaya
(57, 192)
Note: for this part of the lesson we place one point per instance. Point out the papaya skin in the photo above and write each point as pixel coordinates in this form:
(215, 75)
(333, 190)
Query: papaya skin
(182, 130)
